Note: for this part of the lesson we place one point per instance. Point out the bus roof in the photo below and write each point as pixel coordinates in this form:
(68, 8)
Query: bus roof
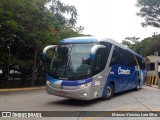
(91, 39)
(87, 39)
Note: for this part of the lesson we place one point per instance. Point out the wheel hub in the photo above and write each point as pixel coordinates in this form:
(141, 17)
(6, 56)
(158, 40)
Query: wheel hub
(109, 91)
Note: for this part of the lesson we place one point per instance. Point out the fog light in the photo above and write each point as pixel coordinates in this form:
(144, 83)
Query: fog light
(85, 94)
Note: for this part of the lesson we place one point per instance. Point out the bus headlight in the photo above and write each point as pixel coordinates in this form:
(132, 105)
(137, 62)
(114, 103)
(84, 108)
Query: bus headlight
(84, 85)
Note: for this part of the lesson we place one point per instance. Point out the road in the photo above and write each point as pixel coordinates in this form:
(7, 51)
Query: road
(147, 99)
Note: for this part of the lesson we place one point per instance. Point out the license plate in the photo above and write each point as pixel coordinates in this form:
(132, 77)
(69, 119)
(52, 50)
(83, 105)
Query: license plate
(61, 93)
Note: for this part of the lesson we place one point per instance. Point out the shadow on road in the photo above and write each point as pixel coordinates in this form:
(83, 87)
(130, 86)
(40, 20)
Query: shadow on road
(124, 93)
(73, 102)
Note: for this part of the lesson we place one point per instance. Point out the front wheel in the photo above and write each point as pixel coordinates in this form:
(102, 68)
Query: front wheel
(110, 92)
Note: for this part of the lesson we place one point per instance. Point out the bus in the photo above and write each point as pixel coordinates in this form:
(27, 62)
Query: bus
(88, 68)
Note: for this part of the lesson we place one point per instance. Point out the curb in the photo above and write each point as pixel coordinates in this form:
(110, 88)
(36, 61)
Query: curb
(154, 86)
(22, 89)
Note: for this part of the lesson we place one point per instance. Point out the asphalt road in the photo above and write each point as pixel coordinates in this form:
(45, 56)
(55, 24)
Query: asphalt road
(147, 99)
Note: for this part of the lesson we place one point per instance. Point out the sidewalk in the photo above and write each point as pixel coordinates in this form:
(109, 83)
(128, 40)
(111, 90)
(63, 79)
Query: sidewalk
(22, 89)
(154, 86)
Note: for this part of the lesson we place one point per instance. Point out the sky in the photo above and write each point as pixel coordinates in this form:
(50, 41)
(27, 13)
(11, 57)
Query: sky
(115, 19)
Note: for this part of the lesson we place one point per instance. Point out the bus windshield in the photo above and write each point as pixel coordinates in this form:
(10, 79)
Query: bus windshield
(71, 62)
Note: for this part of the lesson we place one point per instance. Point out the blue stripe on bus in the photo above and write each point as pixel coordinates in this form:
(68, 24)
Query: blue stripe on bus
(52, 80)
(44, 56)
(74, 40)
(129, 86)
(128, 80)
(69, 82)
(76, 82)
(92, 56)
(120, 80)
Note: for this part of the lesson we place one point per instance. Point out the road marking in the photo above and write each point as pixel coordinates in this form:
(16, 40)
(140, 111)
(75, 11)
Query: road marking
(125, 107)
(153, 108)
(90, 118)
(138, 109)
(100, 115)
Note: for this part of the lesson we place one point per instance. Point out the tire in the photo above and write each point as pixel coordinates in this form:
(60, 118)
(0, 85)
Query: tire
(109, 92)
(138, 86)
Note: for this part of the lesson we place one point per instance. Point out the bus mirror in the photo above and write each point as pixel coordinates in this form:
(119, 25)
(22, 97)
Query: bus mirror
(94, 50)
(46, 49)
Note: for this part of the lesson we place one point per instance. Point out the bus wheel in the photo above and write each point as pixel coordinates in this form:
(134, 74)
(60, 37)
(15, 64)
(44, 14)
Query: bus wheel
(138, 85)
(109, 92)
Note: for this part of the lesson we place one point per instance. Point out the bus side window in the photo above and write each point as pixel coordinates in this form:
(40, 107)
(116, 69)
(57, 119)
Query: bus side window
(143, 65)
(114, 59)
(101, 59)
(122, 57)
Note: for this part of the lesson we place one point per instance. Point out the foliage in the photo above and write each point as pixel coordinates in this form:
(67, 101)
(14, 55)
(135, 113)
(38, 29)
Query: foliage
(146, 47)
(60, 9)
(27, 26)
(130, 42)
(150, 11)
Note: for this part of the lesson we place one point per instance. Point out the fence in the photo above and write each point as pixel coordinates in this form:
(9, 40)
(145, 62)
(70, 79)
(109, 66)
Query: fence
(151, 80)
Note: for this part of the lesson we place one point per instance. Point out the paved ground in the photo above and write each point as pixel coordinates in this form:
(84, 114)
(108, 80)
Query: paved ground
(147, 99)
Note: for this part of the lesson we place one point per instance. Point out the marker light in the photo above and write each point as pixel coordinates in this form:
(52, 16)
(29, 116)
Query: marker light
(85, 94)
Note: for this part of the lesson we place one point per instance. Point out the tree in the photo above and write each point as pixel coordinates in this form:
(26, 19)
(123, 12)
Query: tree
(150, 11)
(143, 47)
(60, 9)
(146, 47)
(24, 25)
(27, 26)
(131, 42)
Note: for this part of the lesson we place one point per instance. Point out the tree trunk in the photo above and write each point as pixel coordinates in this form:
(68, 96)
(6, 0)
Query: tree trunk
(34, 67)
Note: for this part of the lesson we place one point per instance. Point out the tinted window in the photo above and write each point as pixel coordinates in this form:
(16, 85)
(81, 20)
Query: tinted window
(141, 62)
(123, 57)
(101, 58)
(99, 61)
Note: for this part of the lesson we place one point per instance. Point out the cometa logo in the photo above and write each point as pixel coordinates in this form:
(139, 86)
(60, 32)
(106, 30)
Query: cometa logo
(123, 71)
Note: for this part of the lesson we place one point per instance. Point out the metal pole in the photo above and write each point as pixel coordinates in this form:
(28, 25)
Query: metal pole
(8, 64)
(158, 74)
(158, 83)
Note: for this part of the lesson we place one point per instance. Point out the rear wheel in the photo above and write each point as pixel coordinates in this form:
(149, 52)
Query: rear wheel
(109, 92)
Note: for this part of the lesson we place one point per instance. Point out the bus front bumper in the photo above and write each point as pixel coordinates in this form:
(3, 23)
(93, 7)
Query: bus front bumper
(80, 94)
